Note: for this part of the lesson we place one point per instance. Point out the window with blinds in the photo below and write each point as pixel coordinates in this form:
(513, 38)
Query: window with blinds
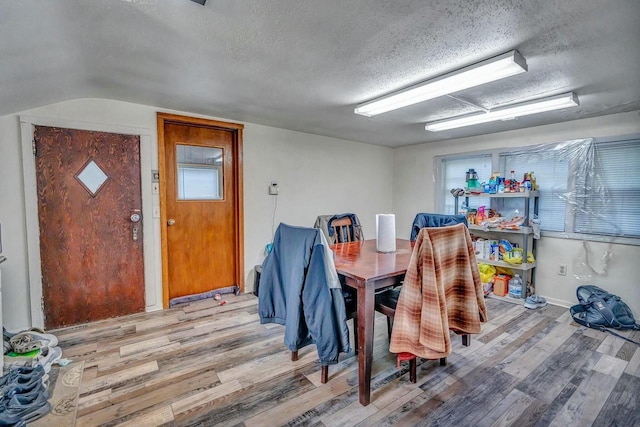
(454, 174)
(603, 202)
(610, 202)
(551, 171)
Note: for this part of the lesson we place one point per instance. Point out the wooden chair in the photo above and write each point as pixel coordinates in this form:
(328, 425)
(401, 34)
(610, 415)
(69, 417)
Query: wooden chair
(304, 237)
(386, 302)
(351, 307)
(343, 229)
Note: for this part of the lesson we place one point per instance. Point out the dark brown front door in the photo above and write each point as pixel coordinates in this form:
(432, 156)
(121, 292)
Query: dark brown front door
(89, 194)
(201, 221)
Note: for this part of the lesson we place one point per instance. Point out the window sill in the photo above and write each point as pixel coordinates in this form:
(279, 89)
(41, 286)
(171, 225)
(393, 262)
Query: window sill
(591, 238)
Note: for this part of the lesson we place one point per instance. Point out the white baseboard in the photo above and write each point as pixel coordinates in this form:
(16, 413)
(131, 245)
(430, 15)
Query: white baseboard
(559, 302)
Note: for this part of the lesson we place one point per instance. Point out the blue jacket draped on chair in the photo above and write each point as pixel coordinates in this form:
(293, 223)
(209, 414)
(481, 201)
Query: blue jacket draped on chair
(299, 288)
(423, 220)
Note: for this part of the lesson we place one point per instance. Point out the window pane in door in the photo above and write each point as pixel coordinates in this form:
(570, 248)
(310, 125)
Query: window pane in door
(199, 173)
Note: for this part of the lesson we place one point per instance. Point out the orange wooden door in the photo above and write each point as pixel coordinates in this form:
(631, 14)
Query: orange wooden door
(201, 220)
(88, 186)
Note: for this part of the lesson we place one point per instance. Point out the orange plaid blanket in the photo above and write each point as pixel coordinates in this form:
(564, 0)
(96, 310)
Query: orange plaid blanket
(441, 292)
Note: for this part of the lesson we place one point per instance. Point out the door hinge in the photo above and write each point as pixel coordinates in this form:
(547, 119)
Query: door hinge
(34, 147)
(42, 303)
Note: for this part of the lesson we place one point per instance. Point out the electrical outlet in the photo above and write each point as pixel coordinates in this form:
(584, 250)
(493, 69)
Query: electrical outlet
(155, 188)
(156, 211)
(273, 188)
(562, 270)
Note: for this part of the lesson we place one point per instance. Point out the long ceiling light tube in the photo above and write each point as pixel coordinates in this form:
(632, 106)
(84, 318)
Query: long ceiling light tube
(557, 102)
(496, 68)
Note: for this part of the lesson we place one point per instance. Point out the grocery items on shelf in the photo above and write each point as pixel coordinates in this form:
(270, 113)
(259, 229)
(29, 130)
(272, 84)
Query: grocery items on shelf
(505, 239)
(498, 184)
(500, 250)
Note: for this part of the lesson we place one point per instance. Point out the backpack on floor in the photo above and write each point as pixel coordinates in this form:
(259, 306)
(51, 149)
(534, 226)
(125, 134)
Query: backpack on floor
(599, 309)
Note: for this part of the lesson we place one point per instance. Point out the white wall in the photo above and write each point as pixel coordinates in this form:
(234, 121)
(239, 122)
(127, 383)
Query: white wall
(413, 192)
(316, 175)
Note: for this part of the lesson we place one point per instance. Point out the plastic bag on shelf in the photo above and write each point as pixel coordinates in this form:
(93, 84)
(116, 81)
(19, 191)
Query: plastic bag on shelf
(486, 272)
(504, 270)
(492, 222)
(515, 223)
(534, 223)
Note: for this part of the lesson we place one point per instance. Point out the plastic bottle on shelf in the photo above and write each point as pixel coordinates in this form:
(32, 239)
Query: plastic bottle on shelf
(526, 181)
(532, 178)
(493, 183)
(463, 209)
(472, 180)
(515, 287)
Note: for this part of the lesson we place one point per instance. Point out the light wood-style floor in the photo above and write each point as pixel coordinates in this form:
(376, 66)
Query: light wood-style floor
(206, 364)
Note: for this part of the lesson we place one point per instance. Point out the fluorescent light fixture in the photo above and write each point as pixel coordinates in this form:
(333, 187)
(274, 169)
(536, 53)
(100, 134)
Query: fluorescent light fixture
(505, 65)
(509, 112)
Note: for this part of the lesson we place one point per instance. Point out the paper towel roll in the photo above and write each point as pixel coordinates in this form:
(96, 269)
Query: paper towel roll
(386, 232)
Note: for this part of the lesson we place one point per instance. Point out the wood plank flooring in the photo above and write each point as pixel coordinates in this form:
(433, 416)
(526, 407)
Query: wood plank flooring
(205, 364)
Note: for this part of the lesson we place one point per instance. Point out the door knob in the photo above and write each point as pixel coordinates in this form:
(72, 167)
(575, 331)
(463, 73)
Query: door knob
(171, 222)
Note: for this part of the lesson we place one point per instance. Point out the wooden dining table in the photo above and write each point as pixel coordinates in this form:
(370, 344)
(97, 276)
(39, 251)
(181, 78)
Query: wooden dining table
(367, 270)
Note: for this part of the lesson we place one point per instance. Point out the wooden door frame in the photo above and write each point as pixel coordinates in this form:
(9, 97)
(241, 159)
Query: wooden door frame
(34, 261)
(236, 129)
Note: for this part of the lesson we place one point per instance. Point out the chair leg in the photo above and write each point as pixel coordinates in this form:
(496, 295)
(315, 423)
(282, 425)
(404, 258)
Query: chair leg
(443, 361)
(466, 340)
(294, 356)
(389, 327)
(413, 369)
(413, 365)
(324, 374)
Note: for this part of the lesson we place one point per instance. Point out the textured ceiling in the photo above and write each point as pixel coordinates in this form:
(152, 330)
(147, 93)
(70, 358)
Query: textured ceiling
(304, 65)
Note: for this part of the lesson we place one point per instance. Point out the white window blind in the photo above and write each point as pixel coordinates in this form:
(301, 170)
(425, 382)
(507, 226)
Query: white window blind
(551, 172)
(586, 187)
(196, 183)
(455, 170)
(610, 202)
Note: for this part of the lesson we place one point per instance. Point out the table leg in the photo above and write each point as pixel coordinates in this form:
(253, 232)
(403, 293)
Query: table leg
(366, 315)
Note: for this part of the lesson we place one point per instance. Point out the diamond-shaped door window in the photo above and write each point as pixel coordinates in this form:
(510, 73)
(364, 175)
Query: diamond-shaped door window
(92, 177)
